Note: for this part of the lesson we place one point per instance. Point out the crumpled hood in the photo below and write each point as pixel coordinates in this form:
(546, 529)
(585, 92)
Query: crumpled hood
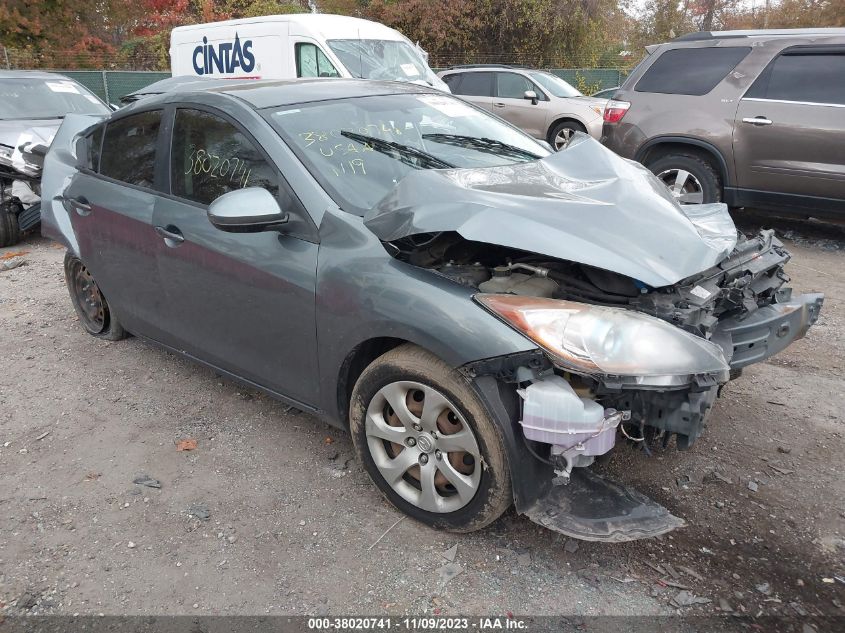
(15, 133)
(584, 204)
(11, 130)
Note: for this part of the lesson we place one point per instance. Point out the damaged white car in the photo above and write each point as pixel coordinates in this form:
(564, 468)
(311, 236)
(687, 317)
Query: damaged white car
(32, 106)
(484, 315)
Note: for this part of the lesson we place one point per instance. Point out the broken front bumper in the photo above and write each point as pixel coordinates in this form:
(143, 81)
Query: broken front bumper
(768, 330)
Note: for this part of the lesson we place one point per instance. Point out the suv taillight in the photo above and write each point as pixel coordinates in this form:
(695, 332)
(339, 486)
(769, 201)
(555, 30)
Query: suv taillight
(615, 110)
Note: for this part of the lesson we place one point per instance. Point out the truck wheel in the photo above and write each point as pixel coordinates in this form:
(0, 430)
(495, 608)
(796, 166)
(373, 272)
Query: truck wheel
(428, 442)
(90, 304)
(9, 231)
(690, 179)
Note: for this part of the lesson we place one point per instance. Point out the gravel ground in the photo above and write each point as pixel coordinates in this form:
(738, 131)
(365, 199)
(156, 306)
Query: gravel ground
(270, 513)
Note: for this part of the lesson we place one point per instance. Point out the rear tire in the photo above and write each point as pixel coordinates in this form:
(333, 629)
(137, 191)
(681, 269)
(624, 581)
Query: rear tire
(691, 179)
(9, 230)
(95, 314)
(457, 441)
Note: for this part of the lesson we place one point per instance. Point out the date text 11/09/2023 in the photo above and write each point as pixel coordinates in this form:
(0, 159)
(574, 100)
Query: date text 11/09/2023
(448, 625)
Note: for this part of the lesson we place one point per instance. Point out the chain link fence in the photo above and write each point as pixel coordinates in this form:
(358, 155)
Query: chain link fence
(111, 85)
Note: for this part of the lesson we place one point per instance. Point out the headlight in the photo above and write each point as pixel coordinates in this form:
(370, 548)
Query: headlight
(6, 153)
(613, 341)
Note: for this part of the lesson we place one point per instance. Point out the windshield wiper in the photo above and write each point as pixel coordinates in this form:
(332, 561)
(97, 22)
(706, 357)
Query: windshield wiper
(410, 156)
(489, 145)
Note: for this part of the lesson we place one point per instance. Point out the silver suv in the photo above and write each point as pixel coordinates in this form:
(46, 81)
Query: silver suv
(539, 103)
(751, 118)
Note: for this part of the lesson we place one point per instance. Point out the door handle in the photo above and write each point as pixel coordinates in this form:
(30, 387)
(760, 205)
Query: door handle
(497, 104)
(80, 205)
(757, 120)
(172, 236)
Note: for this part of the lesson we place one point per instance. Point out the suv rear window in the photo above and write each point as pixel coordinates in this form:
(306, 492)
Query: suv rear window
(810, 78)
(690, 71)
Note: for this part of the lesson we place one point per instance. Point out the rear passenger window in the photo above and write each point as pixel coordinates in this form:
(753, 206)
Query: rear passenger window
(210, 157)
(690, 71)
(453, 81)
(129, 149)
(476, 85)
(813, 78)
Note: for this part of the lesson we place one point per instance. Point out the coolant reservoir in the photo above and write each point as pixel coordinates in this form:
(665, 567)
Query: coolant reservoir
(554, 414)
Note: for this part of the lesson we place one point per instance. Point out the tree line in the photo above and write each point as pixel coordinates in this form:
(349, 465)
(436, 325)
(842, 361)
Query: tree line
(118, 34)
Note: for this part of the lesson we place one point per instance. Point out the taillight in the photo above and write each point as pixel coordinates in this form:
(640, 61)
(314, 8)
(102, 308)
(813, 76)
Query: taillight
(615, 110)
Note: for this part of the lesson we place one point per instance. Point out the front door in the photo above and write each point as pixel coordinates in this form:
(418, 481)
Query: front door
(510, 104)
(243, 302)
(789, 132)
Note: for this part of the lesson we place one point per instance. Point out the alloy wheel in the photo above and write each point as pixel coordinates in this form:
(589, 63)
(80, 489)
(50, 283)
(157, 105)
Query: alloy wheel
(563, 138)
(423, 447)
(683, 186)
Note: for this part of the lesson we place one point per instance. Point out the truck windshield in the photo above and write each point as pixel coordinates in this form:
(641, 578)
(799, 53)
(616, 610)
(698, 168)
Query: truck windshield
(29, 98)
(389, 60)
(359, 148)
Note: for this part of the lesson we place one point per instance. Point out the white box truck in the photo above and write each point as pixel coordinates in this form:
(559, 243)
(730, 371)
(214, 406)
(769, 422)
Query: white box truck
(298, 45)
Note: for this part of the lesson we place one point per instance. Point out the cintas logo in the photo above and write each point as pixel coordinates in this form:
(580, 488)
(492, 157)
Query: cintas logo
(224, 58)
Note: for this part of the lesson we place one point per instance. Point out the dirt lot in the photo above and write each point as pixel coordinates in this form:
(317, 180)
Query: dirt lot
(293, 525)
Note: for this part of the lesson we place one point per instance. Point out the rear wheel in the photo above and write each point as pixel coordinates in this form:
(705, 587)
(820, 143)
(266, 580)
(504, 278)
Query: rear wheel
(9, 230)
(428, 442)
(562, 133)
(91, 306)
(690, 179)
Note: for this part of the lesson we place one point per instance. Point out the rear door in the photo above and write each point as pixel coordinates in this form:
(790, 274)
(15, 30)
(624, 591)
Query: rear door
(475, 87)
(243, 302)
(789, 133)
(110, 202)
(510, 103)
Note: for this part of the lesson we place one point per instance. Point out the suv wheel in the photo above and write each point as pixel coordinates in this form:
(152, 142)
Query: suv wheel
(690, 179)
(428, 442)
(562, 134)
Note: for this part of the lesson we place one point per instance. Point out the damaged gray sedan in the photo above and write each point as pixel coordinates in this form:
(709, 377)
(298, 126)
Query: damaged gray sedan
(485, 316)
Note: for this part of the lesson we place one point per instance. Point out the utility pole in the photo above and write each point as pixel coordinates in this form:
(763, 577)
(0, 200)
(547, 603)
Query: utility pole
(766, 16)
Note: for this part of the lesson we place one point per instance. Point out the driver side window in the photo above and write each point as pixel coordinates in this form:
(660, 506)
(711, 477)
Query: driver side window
(311, 61)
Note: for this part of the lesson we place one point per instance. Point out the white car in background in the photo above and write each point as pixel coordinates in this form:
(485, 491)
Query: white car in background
(538, 102)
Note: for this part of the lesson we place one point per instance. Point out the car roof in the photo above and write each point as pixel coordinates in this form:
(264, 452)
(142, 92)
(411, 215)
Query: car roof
(765, 33)
(267, 93)
(30, 74)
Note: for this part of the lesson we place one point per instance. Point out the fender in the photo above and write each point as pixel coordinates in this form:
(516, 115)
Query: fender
(686, 140)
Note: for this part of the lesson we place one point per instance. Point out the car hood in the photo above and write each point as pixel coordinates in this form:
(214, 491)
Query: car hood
(584, 204)
(41, 130)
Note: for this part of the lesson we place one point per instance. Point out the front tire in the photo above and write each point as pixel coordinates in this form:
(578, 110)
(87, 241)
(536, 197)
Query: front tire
(428, 442)
(561, 134)
(91, 306)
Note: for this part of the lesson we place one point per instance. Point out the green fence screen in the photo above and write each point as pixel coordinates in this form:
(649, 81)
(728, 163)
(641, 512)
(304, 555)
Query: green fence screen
(111, 85)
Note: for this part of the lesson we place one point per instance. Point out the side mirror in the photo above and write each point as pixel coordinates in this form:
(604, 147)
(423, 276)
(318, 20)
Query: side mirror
(249, 210)
(531, 96)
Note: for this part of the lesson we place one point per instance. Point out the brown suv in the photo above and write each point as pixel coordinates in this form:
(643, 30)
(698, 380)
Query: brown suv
(751, 118)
